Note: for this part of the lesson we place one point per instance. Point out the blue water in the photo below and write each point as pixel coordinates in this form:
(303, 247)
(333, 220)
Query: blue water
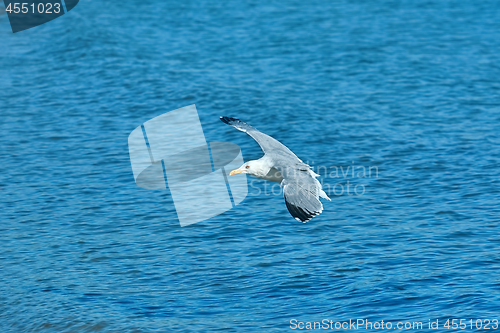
(410, 89)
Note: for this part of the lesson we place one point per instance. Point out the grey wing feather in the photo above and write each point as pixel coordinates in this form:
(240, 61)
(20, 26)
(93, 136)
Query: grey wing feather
(265, 142)
(302, 190)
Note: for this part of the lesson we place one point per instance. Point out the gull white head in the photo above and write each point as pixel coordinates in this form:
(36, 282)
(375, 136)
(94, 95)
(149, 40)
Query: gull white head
(256, 168)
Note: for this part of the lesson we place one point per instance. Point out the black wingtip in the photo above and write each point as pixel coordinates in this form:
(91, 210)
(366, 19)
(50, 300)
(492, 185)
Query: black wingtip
(300, 214)
(228, 120)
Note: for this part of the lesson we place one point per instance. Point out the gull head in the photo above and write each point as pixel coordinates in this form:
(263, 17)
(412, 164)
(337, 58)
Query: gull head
(255, 168)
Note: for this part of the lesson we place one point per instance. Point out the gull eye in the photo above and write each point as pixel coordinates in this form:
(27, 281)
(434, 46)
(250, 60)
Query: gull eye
(248, 167)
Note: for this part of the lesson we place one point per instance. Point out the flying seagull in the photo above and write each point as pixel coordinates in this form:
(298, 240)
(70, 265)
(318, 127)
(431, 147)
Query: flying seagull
(301, 189)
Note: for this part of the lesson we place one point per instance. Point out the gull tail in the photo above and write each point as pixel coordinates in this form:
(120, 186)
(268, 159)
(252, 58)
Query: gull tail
(324, 195)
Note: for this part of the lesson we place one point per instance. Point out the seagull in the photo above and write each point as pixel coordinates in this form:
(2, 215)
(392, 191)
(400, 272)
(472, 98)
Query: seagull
(279, 164)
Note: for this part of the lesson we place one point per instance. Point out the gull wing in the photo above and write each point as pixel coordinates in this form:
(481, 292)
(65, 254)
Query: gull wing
(266, 143)
(302, 190)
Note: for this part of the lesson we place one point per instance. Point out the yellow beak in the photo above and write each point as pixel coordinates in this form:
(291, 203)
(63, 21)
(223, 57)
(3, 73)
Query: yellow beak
(235, 172)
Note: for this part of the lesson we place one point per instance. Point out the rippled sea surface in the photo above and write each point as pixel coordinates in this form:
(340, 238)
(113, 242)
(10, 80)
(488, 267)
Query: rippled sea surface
(406, 89)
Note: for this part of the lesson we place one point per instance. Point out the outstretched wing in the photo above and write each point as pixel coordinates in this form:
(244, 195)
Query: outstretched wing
(265, 142)
(302, 190)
